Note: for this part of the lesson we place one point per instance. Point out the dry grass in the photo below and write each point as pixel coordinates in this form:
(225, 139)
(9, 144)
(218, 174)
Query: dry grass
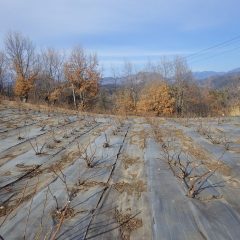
(203, 156)
(65, 160)
(57, 214)
(138, 138)
(127, 223)
(136, 187)
(129, 161)
(11, 156)
(90, 184)
(4, 209)
(7, 208)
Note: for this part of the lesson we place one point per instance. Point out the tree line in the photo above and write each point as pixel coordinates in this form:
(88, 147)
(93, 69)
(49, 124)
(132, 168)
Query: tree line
(166, 88)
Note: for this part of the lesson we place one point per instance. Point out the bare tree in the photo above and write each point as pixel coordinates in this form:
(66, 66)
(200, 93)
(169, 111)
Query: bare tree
(131, 83)
(182, 75)
(3, 71)
(52, 73)
(24, 63)
(165, 68)
(53, 64)
(115, 76)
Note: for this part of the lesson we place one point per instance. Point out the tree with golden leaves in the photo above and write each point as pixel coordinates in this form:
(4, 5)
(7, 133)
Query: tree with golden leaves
(156, 98)
(24, 63)
(124, 101)
(83, 75)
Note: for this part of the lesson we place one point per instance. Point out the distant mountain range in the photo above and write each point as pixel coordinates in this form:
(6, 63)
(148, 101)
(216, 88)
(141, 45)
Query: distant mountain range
(222, 80)
(208, 74)
(212, 79)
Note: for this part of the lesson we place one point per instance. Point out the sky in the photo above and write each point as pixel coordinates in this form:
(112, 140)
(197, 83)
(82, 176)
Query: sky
(138, 31)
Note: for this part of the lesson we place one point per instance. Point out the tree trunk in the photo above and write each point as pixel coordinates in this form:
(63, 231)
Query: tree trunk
(74, 97)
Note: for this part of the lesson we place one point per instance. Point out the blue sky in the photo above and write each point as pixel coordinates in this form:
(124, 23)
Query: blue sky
(131, 30)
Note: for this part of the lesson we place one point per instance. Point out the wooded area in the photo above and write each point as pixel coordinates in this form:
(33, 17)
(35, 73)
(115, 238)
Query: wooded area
(49, 76)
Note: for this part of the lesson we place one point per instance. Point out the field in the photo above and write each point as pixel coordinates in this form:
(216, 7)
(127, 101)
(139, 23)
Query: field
(67, 175)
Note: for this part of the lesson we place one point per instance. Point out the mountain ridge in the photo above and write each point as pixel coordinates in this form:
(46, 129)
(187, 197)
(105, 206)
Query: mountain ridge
(213, 79)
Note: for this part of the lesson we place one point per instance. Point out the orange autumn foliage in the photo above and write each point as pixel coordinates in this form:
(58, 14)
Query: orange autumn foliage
(81, 72)
(23, 85)
(55, 94)
(156, 98)
(124, 102)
